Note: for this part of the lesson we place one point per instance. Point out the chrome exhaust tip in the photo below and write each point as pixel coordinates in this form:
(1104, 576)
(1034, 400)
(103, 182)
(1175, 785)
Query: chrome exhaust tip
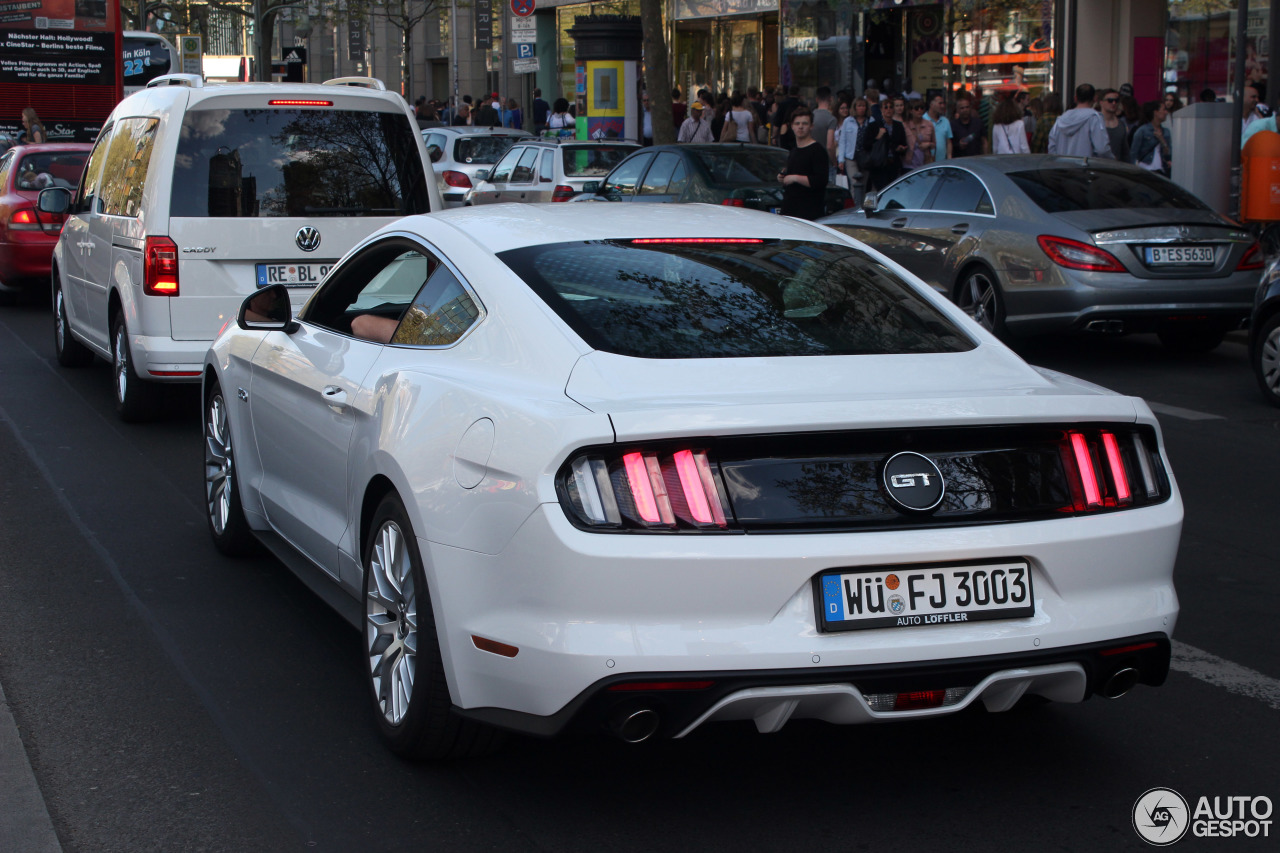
(1120, 683)
(1106, 327)
(635, 726)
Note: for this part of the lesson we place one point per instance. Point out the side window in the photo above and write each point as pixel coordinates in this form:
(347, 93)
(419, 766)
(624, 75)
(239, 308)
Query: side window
(381, 282)
(124, 175)
(502, 172)
(523, 172)
(659, 174)
(909, 193)
(679, 180)
(960, 192)
(440, 313)
(624, 178)
(6, 165)
(547, 170)
(436, 139)
(87, 197)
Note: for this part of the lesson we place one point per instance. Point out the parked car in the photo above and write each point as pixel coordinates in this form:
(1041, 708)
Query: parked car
(732, 174)
(1264, 333)
(459, 155)
(1035, 243)
(652, 470)
(195, 196)
(27, 236)
(540, 170)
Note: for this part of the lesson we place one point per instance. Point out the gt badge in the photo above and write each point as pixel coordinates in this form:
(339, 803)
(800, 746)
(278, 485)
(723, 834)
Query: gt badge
(913, 482)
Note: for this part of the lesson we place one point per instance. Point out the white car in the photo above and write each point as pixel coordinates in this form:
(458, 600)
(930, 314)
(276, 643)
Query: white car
(603, 473)
(195, 195)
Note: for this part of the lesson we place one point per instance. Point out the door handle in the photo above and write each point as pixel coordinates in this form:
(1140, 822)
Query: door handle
(335, 398)
(899, 223)
(962, 228)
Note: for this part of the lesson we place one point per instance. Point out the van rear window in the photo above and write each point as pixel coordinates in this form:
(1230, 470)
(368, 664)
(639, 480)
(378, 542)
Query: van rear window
(297, 162)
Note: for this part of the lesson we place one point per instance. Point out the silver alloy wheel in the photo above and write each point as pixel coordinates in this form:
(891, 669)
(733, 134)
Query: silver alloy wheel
(979, 300)
(219, 475)
(1269, 361)
(121, 365)
(391, 622)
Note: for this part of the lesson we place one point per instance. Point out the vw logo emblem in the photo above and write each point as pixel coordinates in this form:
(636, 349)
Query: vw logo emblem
(308, 239)
(913, 482)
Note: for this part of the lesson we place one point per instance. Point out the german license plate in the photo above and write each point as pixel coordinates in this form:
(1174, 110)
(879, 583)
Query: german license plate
(1179, 255)
(911, 596)
(293, 275)
(775, 210)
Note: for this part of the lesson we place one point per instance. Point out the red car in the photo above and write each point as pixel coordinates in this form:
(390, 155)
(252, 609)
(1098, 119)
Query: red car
(27, 237)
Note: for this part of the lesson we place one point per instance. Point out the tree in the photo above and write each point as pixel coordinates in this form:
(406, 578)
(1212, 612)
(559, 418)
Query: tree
(404, 15)
(657, 73)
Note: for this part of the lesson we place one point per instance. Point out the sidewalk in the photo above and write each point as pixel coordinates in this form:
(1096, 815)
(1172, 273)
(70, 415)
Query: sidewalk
(24, 820)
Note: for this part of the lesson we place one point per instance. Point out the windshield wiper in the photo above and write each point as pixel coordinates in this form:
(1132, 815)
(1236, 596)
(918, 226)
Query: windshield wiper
(385, 211)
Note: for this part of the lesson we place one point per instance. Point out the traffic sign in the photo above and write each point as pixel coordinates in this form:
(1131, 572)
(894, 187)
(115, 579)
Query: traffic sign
(524, 66)
(522, 8)
(523, 36)
(524, 51)
(523, 25)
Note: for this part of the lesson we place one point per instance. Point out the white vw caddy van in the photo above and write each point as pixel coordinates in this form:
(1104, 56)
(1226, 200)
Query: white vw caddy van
(195, 195)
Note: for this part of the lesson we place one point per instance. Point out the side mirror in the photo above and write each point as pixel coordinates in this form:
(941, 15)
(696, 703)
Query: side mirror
(483, 175)
(53, 200)
(435, 152)
(591, 187)
(268, 310)
(869, 202)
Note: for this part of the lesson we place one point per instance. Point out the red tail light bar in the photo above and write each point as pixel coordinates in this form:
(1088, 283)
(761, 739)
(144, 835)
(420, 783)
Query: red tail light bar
(672, 487)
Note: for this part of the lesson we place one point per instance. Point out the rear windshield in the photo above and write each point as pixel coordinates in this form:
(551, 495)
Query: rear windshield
(744, 166)
(50, 169)
(481, 149)
(593, 161)
(763, 298)
(1062, 190)
(301, 162)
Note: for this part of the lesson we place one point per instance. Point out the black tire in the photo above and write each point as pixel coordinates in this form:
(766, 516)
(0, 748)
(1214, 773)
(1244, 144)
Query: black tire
(1191, 338)
(223, 511)
(68, 351)
(410, 697)
(1266, 360)
(135, 399)
(978, 294)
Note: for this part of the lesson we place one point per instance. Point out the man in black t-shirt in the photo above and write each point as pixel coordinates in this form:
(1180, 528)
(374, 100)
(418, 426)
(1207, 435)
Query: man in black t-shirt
(968, 133)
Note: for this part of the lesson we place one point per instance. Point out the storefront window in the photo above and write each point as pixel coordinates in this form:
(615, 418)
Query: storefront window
(1199, 48)
(1001, 44)
(816, 44)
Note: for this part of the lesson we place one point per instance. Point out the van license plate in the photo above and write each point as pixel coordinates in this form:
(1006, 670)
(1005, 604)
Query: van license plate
(293, 275)
(1179, 255)
(912, 596)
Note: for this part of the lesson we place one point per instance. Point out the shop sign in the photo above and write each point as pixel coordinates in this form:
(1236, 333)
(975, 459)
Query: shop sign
(484, 24)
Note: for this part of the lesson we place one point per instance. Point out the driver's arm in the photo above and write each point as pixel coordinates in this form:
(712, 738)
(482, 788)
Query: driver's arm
(371, 327)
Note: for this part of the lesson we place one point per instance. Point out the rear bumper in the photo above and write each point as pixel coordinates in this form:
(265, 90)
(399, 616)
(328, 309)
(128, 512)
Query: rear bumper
(162, 359)
(770, 698)
(1073, 301)
(27, 264)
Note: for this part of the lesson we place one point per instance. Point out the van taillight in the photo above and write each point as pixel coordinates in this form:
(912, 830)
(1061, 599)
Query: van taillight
(160, 270)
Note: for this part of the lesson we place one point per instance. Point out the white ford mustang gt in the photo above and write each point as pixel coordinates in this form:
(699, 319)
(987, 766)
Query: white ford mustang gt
(658, 467)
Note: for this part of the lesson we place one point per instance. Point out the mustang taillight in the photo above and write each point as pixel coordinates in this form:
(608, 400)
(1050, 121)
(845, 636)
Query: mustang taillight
(644, 489)
(1105, 467)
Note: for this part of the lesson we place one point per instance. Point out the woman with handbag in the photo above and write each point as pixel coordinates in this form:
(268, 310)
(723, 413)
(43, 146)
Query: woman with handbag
(885, 141)
(849, 156)
(1009, 132)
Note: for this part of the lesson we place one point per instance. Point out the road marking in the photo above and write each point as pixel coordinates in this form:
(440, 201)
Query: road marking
(1185, 414)
(1223, 673)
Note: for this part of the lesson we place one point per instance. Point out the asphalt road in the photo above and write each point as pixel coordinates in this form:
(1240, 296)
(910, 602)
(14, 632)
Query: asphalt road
(170, 699)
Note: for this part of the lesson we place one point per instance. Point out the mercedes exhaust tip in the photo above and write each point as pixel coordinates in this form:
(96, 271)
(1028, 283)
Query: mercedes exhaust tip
(1120, 683)
(634, 726)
